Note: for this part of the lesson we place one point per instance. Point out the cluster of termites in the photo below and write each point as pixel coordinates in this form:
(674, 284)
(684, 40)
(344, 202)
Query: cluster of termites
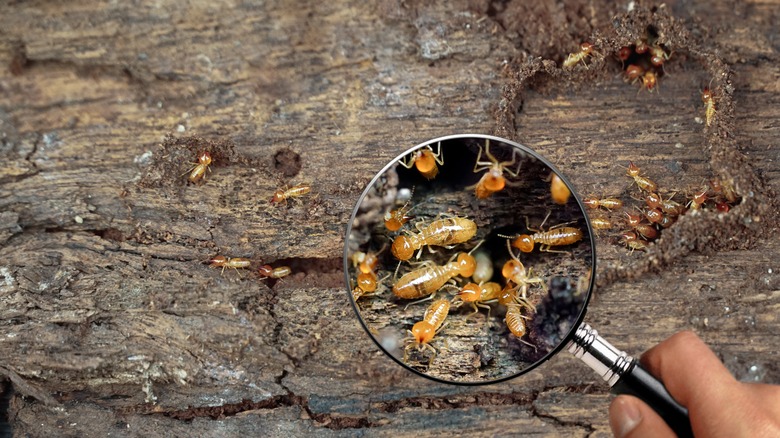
(465, 280)
(196, 174)
(658, 209)
(643, 64)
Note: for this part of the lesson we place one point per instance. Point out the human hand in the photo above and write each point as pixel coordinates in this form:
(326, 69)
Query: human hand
(718, 405)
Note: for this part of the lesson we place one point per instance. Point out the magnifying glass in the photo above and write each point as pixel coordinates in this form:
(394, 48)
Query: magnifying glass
(470, 260)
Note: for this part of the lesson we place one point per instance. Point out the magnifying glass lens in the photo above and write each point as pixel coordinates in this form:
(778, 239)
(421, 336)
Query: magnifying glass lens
(469, 259)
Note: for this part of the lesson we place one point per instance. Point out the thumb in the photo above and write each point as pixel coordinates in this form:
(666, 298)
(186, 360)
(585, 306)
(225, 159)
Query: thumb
(629, 417)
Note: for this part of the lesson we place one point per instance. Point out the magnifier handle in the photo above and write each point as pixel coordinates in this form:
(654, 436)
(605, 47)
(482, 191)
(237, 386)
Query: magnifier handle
(626, 376)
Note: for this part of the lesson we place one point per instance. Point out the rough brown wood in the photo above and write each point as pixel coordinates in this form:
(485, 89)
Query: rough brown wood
(111, 322)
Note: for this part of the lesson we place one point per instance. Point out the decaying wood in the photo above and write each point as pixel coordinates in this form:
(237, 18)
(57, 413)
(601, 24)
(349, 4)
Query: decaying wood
(108, 308)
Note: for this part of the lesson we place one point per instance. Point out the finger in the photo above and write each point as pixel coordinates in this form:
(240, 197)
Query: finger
(689, 370)
(629, 417)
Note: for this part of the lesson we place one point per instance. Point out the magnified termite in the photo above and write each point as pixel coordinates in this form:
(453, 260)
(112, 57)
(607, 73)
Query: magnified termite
(559, 235)
(236, 263)
(515, 272)
(290, 193)
(425, 160)
(422, 332)
(559, 191)
(515, 322)
(431, 277)
(493, 180)
(198, 171)
(441, 232)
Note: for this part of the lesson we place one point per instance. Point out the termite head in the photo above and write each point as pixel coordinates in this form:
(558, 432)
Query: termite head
(632, 170)
(278, 196)
(423, 332)
(425, 162)
(586, 48)
(657, 60)
(649, 80)
(706, 95)
(633, 219)
(524, 243)
(395, 219)
(641, 47)
(218, 260)
(591, 202)
(624, 53)
(204, 158)
(494, 180)
(402, 248)
(628, 236)
(366, 282)
(266, 270)
(466, 264)
(513, 269)
(470, 293)
(722, 207)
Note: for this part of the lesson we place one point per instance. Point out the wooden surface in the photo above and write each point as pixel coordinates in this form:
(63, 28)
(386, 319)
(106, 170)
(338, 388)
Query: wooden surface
(111, 322)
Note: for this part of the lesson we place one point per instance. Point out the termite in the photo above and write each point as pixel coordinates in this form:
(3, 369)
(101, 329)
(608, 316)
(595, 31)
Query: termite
(293, 192)
(644, 183)
(623, 54)
(440, 232)
(559, 190)
(698, 199)
(649, 81)
(558, 235)
(641, 47)
(422, 332)
(514, 271)
(426, 162)
(632, 242)
(658, 56)
(493, 180)
(608, 203)
(654, 215)
(395, 219)
(228, 262)
(709, 105)
(198, 171)
(478, 294)
(668, 206)
(634, 72)
(367, 285)
(514, 320)
(267, 271)
(586, 49)
(647, 231)
(431, 277)
(600, 223)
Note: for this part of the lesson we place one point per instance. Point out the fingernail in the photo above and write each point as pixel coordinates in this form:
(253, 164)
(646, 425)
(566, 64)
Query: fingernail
(628, 417)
